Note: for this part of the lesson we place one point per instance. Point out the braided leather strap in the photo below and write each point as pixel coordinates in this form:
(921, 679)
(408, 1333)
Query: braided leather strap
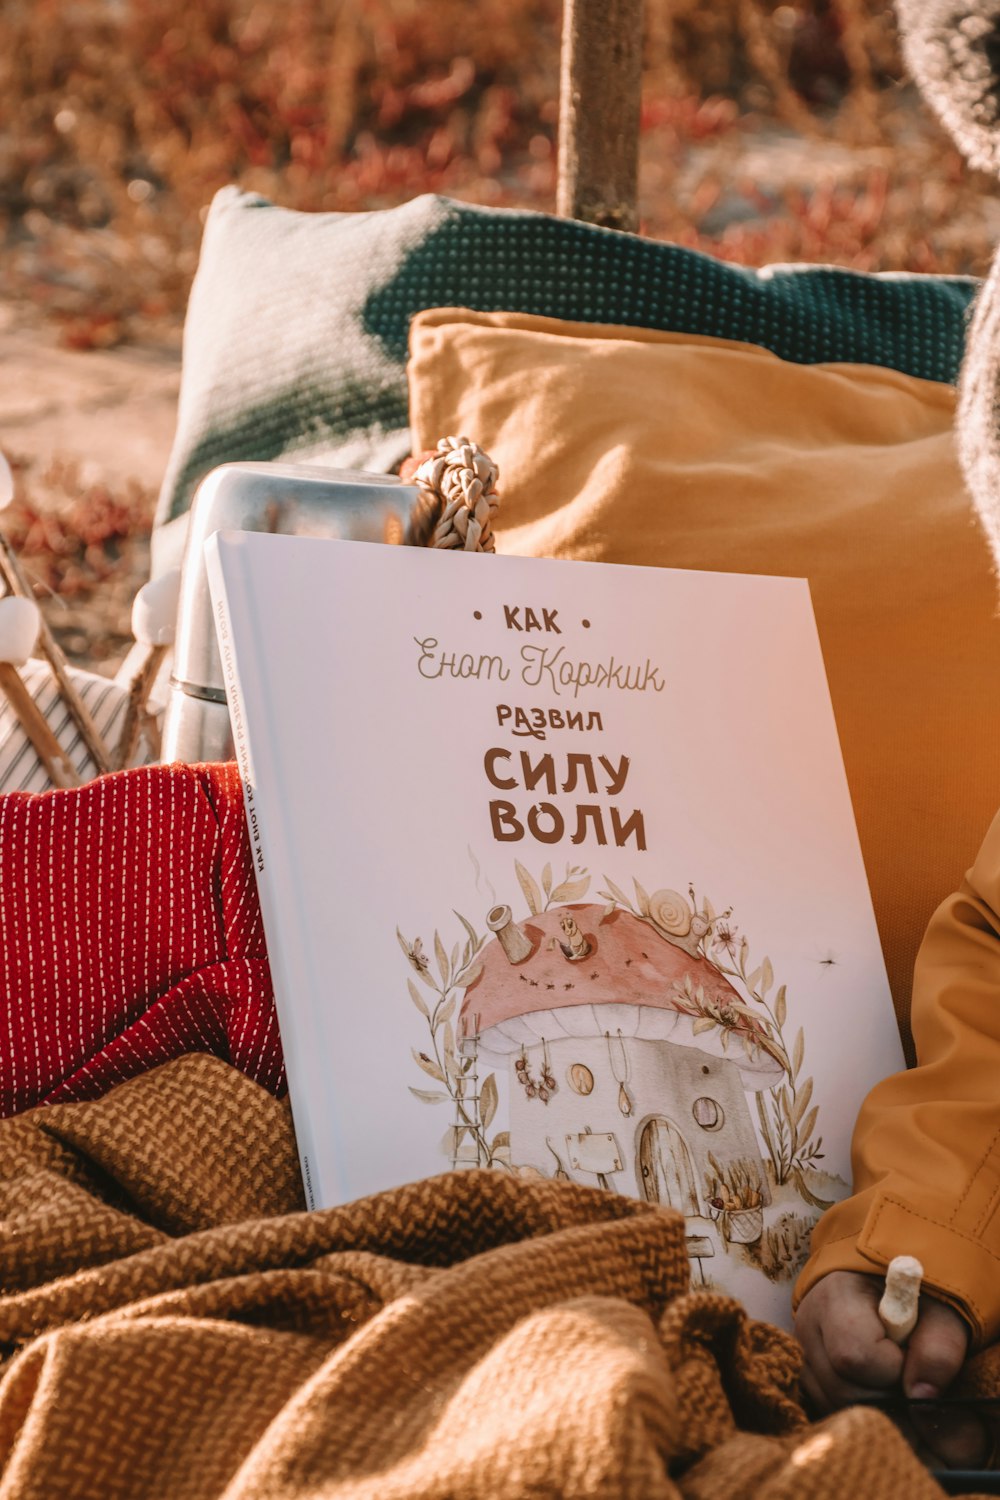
(458, 498)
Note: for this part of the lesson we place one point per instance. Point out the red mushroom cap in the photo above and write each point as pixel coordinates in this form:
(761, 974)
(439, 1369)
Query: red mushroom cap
(628, 963)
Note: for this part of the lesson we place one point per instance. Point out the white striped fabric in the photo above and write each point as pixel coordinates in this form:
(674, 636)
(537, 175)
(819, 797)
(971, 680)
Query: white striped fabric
(20, 768)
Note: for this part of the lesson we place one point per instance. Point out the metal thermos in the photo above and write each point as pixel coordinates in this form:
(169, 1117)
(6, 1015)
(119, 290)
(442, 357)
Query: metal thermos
(294, 500)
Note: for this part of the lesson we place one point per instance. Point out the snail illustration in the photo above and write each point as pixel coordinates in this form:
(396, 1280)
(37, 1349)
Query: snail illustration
(669, 911)
(576, 946)
(679, 921)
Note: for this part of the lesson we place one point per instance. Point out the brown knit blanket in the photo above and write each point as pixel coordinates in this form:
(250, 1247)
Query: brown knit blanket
(175, 1326)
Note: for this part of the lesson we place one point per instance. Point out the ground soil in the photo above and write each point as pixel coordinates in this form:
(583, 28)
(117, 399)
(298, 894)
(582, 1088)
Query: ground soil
(107, 414)
(112, 411)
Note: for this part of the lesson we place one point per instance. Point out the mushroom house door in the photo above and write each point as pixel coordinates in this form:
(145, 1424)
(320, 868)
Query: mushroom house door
(665, 1166)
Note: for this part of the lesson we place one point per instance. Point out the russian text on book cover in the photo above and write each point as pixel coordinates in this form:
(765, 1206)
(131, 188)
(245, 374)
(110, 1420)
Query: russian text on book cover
(584, 898)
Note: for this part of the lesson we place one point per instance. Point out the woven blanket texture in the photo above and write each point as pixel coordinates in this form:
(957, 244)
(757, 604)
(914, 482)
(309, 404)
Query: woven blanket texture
(174, 1325)
(130, 933)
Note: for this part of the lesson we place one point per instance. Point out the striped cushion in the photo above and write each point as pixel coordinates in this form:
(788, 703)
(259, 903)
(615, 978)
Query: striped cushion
(20, 768)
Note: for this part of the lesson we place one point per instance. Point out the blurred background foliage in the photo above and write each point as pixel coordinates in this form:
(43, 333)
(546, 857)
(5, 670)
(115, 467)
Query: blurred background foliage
(769, 132)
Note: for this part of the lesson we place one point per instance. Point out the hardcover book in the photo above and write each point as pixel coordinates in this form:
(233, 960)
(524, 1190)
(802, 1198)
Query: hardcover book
(560, 877)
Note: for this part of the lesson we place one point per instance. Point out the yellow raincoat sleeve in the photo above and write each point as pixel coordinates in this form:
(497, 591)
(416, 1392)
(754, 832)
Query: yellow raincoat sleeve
(926, 1149)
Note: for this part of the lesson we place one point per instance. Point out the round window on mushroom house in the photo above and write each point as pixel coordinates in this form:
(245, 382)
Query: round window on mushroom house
(708, 1113)
(581, 1079)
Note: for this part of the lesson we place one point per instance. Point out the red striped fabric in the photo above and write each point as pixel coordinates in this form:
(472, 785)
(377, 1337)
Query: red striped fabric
(129, 933)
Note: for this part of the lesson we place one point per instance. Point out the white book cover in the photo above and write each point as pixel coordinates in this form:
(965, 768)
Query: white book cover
(560, 877)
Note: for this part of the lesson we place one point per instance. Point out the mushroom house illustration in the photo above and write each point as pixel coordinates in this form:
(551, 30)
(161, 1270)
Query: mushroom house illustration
(597, 1019)
(634, 1061)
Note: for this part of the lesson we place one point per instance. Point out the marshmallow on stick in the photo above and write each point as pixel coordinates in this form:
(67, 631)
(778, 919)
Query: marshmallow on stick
(900, 1304)
(19, 622)
(12, 576)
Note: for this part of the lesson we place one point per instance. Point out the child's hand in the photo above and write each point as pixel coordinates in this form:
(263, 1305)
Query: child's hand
(849, 1356)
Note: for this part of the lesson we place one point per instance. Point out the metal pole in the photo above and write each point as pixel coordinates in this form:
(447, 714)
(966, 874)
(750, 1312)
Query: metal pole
(599, 98)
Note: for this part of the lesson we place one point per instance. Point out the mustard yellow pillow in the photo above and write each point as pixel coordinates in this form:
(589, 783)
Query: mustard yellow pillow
(658, 448)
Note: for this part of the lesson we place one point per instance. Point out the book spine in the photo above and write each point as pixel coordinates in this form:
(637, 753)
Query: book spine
(227, 582)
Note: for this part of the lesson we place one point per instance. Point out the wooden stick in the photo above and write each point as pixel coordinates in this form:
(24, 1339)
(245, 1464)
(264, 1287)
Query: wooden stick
(600, 89)
(138, 696)
(900, 1304)
(10, 571)
(61, 770)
